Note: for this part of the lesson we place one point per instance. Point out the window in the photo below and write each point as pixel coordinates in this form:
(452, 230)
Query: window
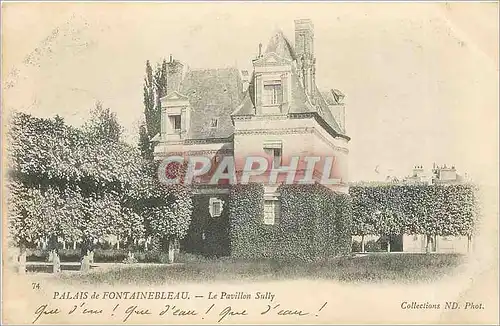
(214, 123)
(271, 211)
(273, 149)
(177, 245)
(275, 154)
(175, 120)
(273, 93)
(215, 207)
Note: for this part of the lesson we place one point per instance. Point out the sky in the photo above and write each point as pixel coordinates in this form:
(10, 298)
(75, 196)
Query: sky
(420, 79)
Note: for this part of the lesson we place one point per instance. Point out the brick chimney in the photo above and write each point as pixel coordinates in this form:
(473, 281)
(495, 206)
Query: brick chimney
(245, 79)
(304, 49)
(174, 75)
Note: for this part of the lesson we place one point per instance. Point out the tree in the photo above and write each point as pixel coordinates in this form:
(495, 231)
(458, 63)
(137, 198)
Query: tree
(111, 168)
(390, 221)
(387, 224)
(40, 151)
(35, 213)
(160, 82)
(40, 168)
(144, 143)
(68, 182)
(166, 208)
(362, 214)
(85, 184)
(432, 210)
(155, 87)
(152, 117)
(132, 228)
(103, 124)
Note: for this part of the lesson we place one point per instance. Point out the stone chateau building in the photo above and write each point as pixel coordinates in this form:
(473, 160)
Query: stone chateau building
(277, 111)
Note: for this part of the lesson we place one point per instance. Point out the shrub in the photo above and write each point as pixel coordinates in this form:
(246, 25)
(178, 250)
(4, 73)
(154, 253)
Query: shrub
(101, 256)
(185, 257)
(356, 246)
(110, 255)
(151, 256)
(373, 246)
(40, 255)
(37, 255)
(130, 260)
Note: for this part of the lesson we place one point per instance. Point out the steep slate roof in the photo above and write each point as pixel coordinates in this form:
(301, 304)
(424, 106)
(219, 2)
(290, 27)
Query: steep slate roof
(325, 112)
(218, 94)
(300, 102)
(333, 97)
(212, 94)
(280, 45)
(330, 100)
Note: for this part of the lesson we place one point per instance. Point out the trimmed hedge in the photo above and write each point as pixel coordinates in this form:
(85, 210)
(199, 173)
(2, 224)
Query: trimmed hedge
(314, 223)
(445, 210)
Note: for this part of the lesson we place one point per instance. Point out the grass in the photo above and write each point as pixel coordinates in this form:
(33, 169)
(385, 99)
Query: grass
(379, 267)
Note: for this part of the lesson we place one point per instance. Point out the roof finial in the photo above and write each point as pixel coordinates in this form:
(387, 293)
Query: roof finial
(260, 50)
(171, 59)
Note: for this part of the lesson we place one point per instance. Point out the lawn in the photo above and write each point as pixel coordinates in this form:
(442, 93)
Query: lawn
(376, 267)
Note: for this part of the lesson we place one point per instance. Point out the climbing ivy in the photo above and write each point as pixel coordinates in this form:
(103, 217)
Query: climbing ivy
(314, 223)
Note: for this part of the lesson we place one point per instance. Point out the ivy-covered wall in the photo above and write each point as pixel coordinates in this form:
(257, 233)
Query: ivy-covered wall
(314, 223)
(317, 223)
(208, 235)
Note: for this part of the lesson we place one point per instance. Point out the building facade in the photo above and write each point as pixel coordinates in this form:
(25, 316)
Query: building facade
(276, 111)
(439, 175)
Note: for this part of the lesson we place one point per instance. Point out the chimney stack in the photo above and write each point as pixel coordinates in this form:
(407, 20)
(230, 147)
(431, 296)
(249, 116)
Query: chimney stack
(174, 75)
(304, 49)
(245, 78)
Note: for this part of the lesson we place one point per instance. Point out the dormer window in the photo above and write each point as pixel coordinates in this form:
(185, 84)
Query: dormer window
(175, 117)
(273, 92)
(175, 121)
(214, 123)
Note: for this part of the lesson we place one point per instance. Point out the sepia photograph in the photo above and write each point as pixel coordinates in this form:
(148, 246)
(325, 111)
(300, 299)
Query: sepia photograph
(250, 162)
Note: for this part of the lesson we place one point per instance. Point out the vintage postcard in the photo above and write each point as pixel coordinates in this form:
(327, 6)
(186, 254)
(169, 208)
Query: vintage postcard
(249, 163)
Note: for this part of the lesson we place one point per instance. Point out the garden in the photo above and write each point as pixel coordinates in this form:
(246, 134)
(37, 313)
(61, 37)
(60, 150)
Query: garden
(84, 185)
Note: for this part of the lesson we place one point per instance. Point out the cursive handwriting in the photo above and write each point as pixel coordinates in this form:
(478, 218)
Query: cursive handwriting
(169, 310)
(284, 312)
(134, 310)
(83, 310)
(44, 310)
(177, 311)
(228, 311)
